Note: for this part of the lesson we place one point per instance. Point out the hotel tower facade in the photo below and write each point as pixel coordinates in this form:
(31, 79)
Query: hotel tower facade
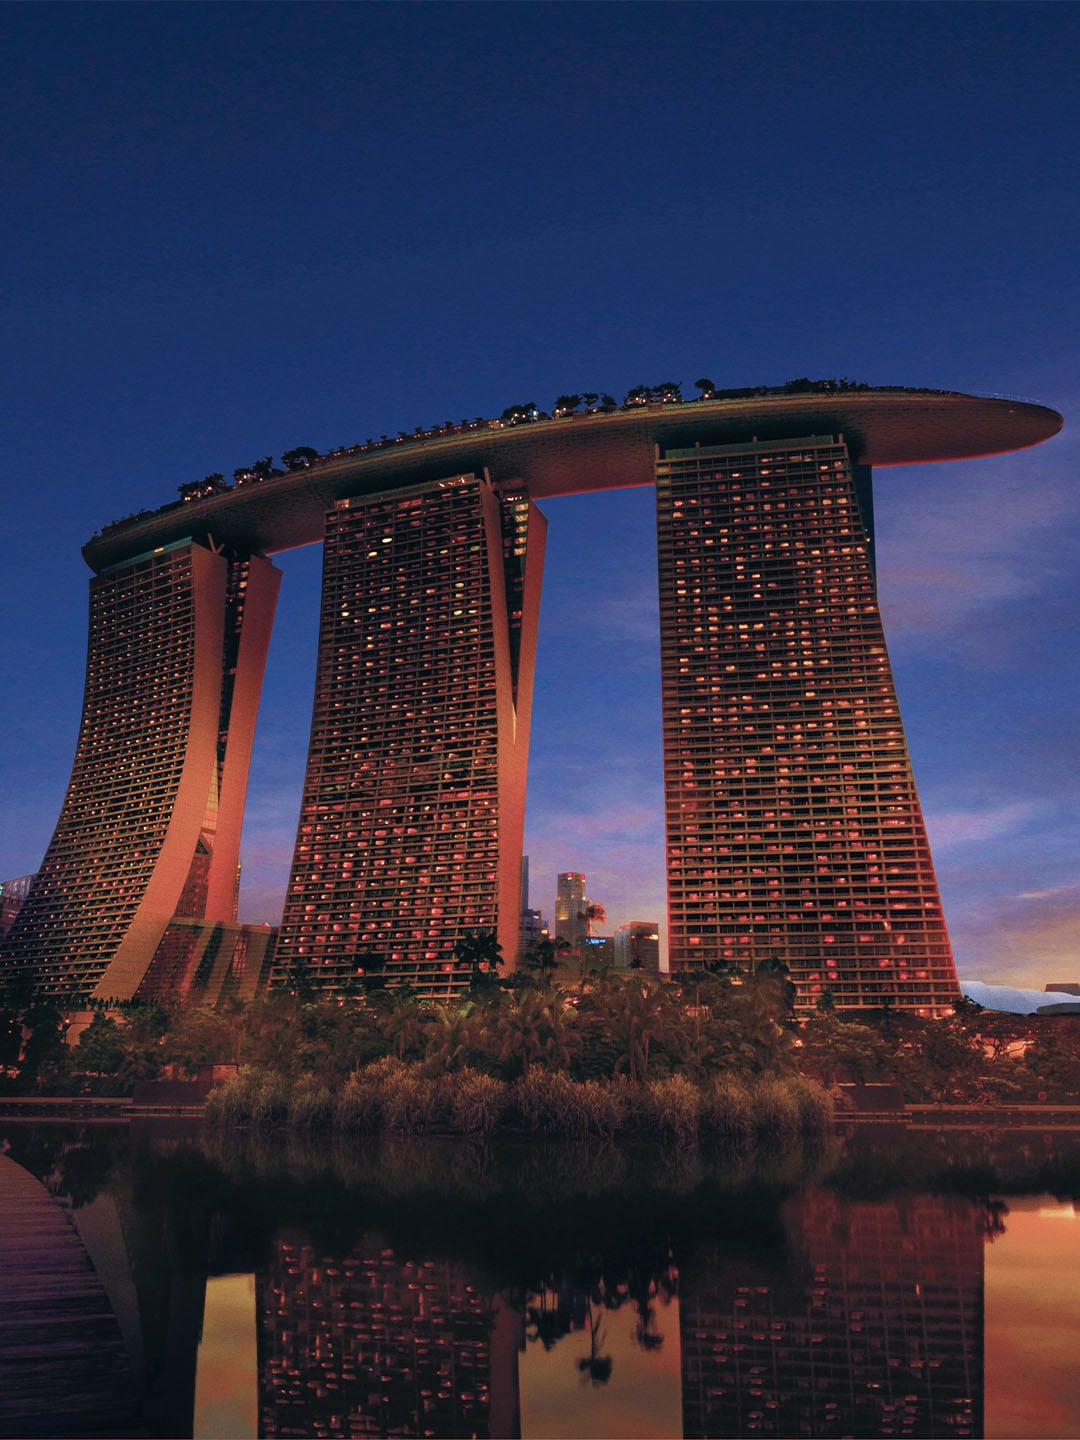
(793, 823)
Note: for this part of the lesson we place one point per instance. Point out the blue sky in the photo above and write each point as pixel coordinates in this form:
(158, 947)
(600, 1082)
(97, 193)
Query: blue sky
(237, 228)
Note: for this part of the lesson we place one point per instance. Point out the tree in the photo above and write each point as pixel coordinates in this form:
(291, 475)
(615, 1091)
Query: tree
(450, 1041)
(370, 971)
(403, 1026)
(45, 1050)
(566, 404)
(101, 1049)
(543, 961)
(299, 458)
(706, 386)
(594, 1366)
(666, 390)
(774, 973)
(481, 952)
(641, 1016)
(534, 1028)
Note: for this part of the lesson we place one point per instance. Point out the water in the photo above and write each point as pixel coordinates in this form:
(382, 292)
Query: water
(899, 1285)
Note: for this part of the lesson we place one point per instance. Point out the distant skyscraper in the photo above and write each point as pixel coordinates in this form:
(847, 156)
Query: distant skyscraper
(794, 827)
(570, 908)
(13, 895)
(413, 811)
(637, 946)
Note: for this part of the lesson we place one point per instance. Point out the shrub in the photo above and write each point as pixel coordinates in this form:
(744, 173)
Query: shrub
(674, 1109)
(606, 1106)
(358, 1105)
(409, 1100)
(388, 1095)
(311, 1105)
(814, 1105)
(252, 1097)
(472, 1103)
(727, 1108)
(775, 1110)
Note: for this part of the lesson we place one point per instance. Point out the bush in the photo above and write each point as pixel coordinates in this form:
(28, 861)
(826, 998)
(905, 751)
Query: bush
(311, 1105)
(388, 1095)
(410, 1101)
(549, 1102)
(814, 1105)
(472, 1103)
(776, 1111)
(358, 1105)
(727, 1109)
(674, 1109)
(251, 1097)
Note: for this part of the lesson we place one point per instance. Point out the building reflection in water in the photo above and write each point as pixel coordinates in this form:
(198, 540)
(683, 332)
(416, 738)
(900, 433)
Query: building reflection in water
(375, 1343)
(868, 1323)
(871, 1325)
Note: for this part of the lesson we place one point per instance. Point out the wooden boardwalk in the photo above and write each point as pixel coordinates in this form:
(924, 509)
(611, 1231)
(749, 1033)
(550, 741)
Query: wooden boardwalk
(64, 1373)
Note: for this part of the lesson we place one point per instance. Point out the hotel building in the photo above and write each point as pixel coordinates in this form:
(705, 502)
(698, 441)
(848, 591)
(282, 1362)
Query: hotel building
(413, 814)
(794, 828)
(150, 825)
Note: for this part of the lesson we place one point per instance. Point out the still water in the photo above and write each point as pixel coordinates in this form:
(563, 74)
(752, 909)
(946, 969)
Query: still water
(900, 1285)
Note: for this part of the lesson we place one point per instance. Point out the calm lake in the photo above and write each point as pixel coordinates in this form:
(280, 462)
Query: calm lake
(903, 1284)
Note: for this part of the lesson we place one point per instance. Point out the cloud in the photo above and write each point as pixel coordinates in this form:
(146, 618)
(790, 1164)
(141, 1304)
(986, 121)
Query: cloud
(960, 827)
(957, 545)
(1022, 940)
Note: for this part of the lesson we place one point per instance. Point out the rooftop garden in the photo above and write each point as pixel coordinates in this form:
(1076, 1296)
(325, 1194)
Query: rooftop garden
(564, 408)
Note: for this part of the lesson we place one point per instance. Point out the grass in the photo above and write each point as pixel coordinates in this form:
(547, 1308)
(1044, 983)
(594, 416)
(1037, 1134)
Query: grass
(390, 1097)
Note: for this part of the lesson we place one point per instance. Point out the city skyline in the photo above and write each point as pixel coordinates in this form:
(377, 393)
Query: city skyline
(199, 279)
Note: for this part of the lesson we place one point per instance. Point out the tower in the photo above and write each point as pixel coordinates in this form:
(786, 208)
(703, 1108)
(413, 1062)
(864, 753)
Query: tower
(794, 827)
(150, 826)
(413, 811)
(570, 908)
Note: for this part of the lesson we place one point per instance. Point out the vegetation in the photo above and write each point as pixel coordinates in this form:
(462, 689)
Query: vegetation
(394, 1098)
(602, 1055)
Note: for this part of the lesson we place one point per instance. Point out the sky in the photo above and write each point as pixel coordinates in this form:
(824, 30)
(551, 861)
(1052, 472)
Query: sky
(233, 229)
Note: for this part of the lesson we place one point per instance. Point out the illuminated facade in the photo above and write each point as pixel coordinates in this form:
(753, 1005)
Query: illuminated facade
(794, 827)
(570, 909)
(150, 826)
(793, 823)
(413, 812)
